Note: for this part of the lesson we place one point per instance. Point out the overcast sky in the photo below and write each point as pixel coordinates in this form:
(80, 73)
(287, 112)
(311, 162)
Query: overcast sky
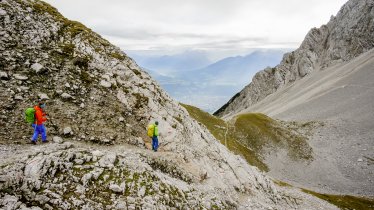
(212, 25)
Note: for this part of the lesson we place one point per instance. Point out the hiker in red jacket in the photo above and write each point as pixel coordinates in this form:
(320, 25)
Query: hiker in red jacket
(40, 118)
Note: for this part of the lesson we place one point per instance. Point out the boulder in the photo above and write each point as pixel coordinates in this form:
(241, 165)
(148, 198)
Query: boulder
(2, 12)
(20, 77)
(3, 75)
(107, 161)
(57, 139)
(67, 131)
(105, 84)
(43, 96)
(37, 67)
(115, 188)
(66, 96)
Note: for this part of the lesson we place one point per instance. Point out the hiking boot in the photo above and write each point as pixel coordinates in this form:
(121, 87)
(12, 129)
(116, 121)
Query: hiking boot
(46, 141)
(33, 142)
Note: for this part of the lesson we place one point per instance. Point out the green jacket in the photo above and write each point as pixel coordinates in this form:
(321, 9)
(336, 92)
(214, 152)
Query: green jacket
(155, 133)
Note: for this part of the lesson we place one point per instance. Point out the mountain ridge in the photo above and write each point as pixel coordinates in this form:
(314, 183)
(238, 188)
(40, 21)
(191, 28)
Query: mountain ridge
(345, 36)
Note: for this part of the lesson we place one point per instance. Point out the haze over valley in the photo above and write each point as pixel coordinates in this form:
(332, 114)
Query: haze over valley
(192, 78)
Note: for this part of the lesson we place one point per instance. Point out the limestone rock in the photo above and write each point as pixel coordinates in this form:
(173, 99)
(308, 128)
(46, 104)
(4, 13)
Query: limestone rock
(68, 130)
(3, 75)
(2, 12)
(36, 67)
(115, 188)
(19, 98)
(43, 96)
(66, 96)
(20, 77)
(107, 161)
(105, 84)
(97, 153)
(57, 139)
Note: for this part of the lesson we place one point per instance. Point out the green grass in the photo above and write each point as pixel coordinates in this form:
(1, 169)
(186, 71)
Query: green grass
(345, 201)
(218, 128)
(249, 134)
(281, 183)
(256, 130)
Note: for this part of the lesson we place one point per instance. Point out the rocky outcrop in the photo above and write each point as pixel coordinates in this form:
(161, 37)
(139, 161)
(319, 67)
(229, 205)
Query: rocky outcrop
(345, 36)
(77, 176)
(96, 94)
(88, 82)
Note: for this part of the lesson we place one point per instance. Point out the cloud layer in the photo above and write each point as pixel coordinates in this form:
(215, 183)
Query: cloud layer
(174, 25)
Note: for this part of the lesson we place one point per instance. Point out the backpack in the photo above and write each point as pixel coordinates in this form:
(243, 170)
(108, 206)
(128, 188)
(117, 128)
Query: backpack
(151, 130)
(30, 115)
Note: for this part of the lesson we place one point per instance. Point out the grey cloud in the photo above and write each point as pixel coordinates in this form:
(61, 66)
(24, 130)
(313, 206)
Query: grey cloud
(209, 24)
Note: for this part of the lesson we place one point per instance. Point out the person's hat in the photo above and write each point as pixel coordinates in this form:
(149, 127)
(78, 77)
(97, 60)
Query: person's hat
(41, 101)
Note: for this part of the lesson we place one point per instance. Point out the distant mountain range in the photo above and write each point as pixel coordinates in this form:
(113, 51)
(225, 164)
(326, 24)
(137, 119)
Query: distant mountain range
(210, 86)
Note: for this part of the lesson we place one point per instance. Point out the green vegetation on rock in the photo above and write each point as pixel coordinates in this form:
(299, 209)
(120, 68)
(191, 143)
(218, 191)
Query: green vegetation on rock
(257, 130)
(225, 133)
(250, 134)
(345, 201)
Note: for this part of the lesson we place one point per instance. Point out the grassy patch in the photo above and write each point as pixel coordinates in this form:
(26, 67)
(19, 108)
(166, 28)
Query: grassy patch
(42, 7)
(81, 62)
(226, 134)
(345, 201)
(282, 184)
(249, 134)
(257, 131)
(68, 49)
(119, 56)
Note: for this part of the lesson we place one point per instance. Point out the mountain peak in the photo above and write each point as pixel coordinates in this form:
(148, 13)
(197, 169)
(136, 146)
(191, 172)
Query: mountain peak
(345, 36)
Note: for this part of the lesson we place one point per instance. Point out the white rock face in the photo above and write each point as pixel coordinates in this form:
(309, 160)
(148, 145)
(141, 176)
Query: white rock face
(344, 37)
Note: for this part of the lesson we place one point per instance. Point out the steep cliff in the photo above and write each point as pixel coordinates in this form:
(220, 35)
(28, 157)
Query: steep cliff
(345, 36)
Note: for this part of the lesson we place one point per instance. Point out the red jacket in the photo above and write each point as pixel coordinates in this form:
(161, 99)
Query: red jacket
(39, 116)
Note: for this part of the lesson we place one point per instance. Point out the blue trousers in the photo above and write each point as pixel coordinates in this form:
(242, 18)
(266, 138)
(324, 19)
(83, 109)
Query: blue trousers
(39, 130)
(154, 143)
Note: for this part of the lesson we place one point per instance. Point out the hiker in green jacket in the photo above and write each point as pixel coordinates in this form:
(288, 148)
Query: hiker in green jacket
(153, 133)
(39, 117)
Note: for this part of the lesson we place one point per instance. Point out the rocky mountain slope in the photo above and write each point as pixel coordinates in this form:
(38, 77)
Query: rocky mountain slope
(341, 99)
(327, 80)
(345, 36)
(97, 95)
